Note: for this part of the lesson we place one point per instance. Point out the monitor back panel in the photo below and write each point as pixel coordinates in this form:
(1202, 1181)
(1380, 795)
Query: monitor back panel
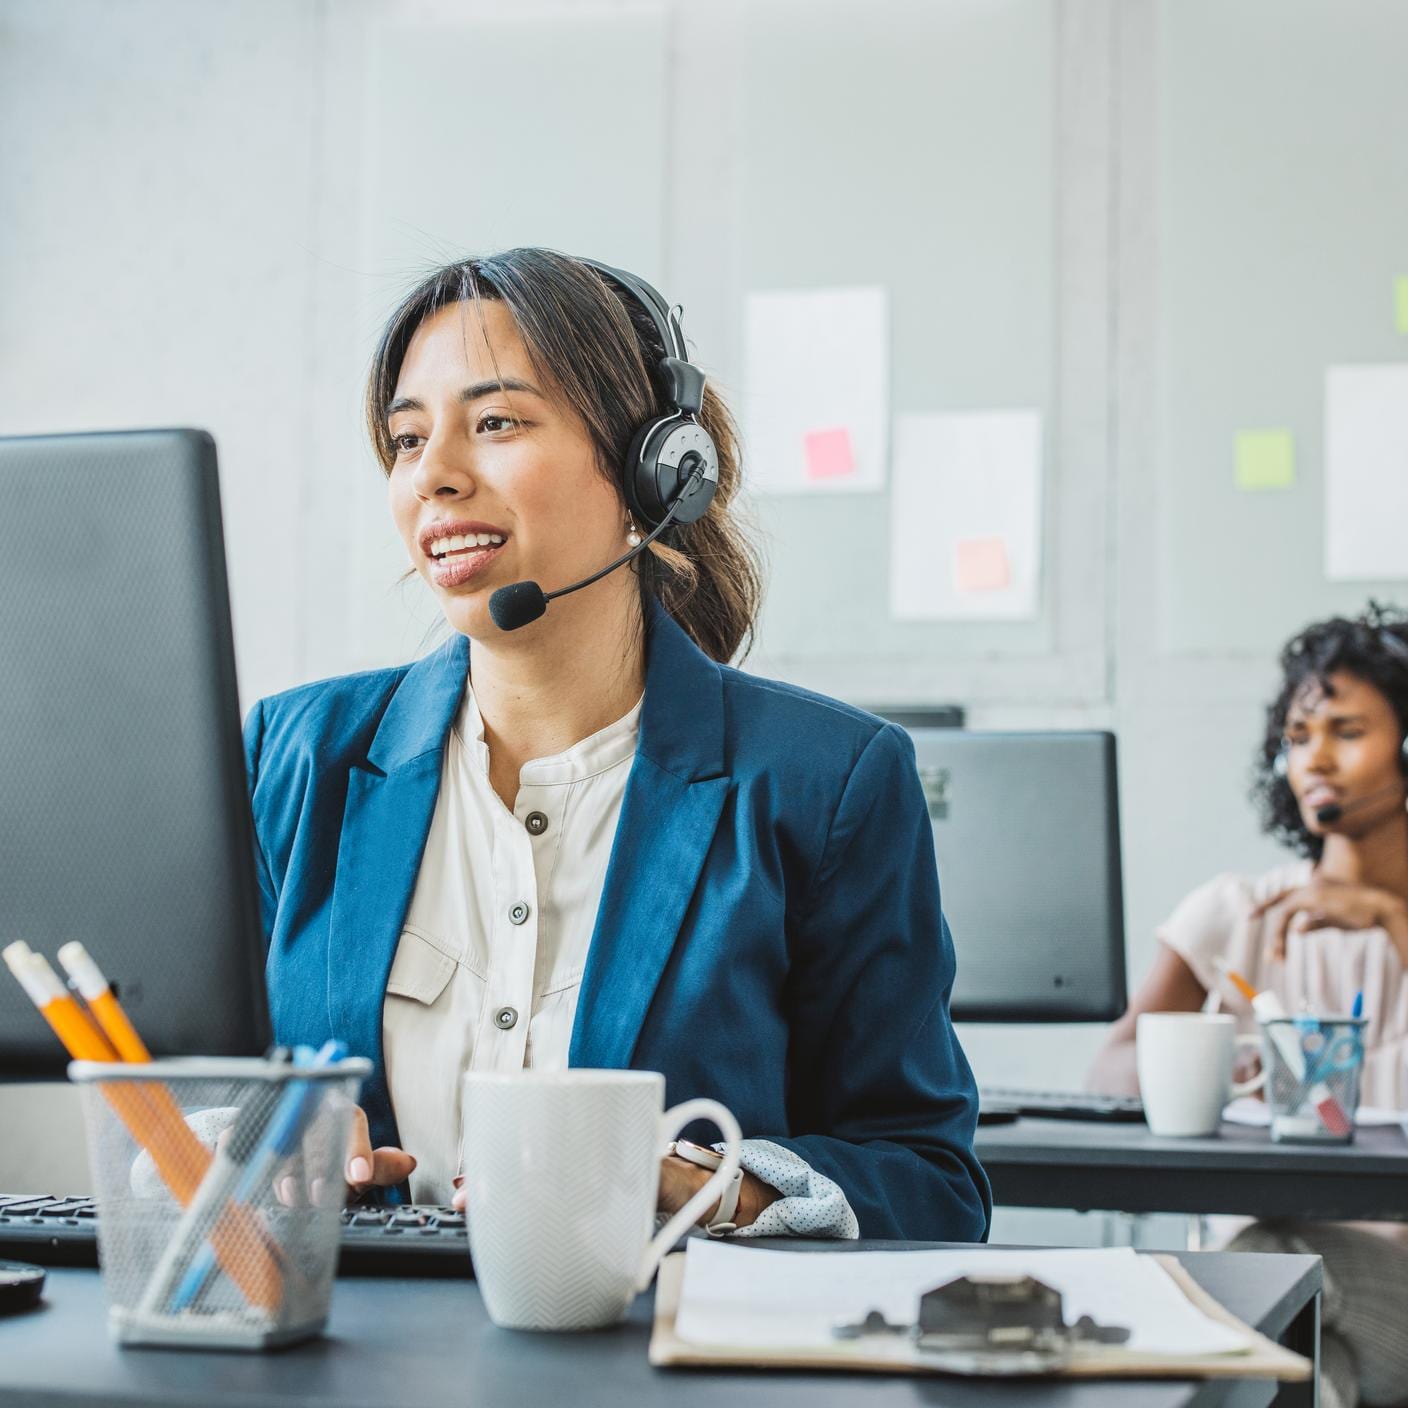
(1026, 830)
(124, 820)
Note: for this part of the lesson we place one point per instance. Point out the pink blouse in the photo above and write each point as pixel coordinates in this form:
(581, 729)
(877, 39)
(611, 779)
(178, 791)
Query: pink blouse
(1322, 971)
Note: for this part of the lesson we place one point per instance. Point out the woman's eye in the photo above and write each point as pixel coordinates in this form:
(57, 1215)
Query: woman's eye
(398, 442)
(494, 423)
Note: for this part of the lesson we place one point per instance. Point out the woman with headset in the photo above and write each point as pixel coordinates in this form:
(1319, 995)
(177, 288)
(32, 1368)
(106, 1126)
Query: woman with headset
(574, 834)
(1332, 784)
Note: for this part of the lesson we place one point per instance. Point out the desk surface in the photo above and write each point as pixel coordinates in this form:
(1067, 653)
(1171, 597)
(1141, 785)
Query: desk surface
(1123, 1168)
(401, 1342)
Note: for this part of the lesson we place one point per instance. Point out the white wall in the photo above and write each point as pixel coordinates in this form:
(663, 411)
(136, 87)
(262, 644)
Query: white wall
(208, 209)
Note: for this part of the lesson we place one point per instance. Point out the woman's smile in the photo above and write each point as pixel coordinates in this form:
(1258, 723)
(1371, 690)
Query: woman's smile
(461, 565)
(459, 551)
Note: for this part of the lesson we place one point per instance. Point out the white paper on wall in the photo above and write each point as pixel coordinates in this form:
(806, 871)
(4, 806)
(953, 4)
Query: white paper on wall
(1366, 472)
(816, 390)
(965, 516)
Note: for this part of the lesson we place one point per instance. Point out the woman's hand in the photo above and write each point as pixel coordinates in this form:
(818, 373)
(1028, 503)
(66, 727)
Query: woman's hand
(372, 1168)
(1331, 904)
(680, 1180)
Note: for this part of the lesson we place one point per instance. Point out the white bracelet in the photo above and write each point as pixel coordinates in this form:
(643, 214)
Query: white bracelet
(721, 1224)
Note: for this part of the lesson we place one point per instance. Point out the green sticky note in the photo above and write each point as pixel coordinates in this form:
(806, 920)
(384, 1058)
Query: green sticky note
(1400, 302)
(1266, 459)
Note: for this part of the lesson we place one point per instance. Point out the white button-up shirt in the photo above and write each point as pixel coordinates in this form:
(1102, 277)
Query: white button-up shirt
(489, 967)
(491, 957)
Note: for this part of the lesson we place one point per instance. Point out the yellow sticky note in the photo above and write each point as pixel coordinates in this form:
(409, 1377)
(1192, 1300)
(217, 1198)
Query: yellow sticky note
(1266, 459)
(1400, 302)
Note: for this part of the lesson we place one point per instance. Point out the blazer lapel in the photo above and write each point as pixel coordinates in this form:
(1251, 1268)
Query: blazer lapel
(390, 802)
(675, 794)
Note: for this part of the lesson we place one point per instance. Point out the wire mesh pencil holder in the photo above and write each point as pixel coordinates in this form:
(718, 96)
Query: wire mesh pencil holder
(1312, 1068)
(219, 1184)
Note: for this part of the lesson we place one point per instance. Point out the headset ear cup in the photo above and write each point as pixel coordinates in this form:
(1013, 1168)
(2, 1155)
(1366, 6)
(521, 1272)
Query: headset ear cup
(652, 483)
(642, 494)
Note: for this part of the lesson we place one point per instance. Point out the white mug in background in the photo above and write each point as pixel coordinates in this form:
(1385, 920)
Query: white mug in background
(1185, 1069)
(562, 1173)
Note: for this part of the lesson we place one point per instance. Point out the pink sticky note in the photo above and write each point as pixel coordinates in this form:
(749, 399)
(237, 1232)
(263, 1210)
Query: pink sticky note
(829, 453)
(980, 565)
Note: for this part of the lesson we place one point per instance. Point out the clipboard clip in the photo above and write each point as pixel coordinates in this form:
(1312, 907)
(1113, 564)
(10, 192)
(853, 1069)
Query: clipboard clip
(991, 1325)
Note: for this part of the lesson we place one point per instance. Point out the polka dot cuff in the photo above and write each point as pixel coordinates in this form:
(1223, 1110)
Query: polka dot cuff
(811, 1205)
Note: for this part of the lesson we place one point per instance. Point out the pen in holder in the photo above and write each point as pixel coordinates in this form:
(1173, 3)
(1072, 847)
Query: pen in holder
(1313, 1065)
(245, 1258)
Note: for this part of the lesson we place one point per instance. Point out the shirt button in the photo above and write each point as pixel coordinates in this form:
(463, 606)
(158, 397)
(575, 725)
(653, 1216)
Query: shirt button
(536, 823)
(518, 914)
(505, 1018)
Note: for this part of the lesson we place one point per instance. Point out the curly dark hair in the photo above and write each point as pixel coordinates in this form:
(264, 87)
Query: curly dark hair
(1372, 647)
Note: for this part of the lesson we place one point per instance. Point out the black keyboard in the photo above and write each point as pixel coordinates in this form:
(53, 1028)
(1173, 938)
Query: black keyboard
(1063, 1104)
(412, 1240)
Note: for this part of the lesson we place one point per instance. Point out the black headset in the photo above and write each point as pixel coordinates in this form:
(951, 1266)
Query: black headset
(672, 459)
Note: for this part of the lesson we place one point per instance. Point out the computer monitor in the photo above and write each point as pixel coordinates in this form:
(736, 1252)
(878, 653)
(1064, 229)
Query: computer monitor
(1026, 830)
(124, 819)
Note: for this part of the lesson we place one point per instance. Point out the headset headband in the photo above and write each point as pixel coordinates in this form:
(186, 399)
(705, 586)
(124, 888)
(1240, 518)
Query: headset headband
(665, 318)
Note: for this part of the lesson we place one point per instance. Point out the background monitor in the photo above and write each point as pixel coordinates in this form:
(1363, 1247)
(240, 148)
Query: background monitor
(124, 819)
(1026, 829)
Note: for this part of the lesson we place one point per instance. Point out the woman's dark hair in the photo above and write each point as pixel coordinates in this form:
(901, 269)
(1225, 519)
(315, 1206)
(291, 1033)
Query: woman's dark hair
(1373, 648)
(599, 350)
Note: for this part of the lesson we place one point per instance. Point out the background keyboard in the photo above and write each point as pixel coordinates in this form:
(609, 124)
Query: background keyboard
(1064, 1104)
(376, 1241)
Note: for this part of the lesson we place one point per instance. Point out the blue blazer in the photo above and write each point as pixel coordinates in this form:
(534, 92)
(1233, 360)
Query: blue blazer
(769, 933)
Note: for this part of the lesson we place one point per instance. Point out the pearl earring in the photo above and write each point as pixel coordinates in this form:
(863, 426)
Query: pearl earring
(632, 532)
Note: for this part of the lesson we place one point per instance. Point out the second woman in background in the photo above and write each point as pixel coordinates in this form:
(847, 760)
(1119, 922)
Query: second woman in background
(1333, 785)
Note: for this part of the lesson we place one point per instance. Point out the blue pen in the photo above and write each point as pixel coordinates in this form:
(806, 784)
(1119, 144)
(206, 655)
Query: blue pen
(291, 1117)
(1357, 1010)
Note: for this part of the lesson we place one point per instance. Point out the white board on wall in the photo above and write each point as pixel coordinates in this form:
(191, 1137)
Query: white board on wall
(816, 390)
(1366, 472)
(965, 517)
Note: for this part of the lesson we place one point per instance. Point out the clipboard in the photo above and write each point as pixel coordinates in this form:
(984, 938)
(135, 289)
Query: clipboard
(1264, 1359)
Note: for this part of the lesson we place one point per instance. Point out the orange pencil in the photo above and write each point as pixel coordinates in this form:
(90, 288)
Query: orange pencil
(1240, 983)
(97, 992)
(180, 1158)
(72, 1026)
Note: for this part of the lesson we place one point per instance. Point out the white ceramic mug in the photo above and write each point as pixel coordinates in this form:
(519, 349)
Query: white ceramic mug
(562, 1172)
(1185, 1069)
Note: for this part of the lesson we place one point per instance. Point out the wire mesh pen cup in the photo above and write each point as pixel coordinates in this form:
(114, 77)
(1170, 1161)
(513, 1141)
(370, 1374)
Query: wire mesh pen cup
(219, 1184)
(1313, 1066)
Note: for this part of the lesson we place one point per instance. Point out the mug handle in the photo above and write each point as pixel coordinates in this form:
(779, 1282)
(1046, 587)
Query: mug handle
(671, 1122)
(1249, 1087)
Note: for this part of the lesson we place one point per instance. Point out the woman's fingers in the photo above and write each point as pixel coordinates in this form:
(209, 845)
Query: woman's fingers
(1260, 908)
(1277, 920)
(1293, 895)
(391, 1166)
(359, 1152)
(373, 1168)
(461, 1200)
